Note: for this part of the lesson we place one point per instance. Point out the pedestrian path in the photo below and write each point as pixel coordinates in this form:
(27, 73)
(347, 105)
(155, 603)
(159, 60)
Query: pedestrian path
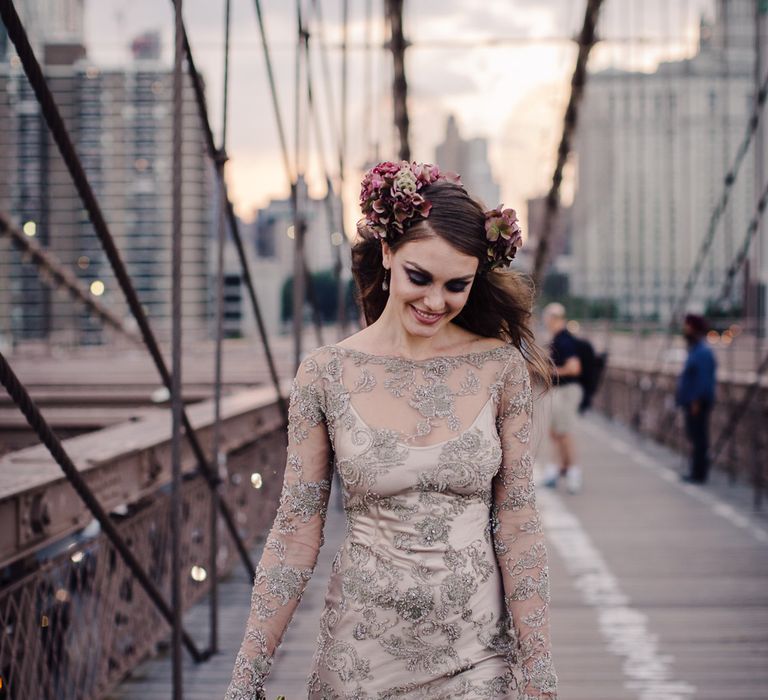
(659, 590)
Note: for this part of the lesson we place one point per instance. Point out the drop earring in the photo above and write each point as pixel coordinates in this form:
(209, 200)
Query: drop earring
(385, 281)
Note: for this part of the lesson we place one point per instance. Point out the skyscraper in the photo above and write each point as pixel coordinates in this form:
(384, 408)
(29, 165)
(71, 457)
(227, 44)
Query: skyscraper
(121, 124)
(469, 158)
(652, 153)
(274, 246)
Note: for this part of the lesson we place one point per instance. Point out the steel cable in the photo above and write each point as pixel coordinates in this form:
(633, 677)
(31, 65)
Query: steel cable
(586, 42)
(340, 138)
(37, 80)
(741, 256)
(31, 412)
(398, 45)
(326, 72)
(59, 276)
(722, 203)
(729, 431)
(314, 118)
(177, 400)
(219, 460)
(219, 158)
(273, 92)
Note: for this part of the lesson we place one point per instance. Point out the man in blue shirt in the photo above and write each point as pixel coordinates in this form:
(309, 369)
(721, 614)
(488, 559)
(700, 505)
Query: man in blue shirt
(696, 394)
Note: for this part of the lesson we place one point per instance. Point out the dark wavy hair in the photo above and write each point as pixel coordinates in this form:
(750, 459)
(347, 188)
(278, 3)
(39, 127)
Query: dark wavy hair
(500, 302)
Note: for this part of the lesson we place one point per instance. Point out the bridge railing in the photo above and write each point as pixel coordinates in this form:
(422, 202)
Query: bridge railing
(641, 396)
(74, 619)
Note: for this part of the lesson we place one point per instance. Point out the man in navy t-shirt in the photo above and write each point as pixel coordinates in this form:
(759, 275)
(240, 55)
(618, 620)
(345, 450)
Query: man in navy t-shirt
(566, 398)
(696, 395)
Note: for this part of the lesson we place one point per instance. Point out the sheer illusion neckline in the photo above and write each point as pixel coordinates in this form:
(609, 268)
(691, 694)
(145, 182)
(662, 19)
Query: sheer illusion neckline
(441, 443)
(426, 360)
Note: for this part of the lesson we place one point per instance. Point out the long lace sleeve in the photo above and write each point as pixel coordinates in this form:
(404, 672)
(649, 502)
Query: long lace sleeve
(291, 548)
(518, 539)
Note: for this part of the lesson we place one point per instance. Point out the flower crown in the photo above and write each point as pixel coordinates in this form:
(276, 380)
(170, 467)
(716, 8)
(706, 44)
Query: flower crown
(390, 198)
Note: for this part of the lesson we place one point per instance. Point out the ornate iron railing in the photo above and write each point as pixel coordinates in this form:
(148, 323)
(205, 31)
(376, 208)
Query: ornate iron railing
(75, 622)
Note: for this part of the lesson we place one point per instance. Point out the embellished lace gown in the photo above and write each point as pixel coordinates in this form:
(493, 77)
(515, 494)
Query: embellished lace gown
(440, 588)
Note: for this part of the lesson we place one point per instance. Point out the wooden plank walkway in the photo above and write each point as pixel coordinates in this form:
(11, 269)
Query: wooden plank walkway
(660, 590)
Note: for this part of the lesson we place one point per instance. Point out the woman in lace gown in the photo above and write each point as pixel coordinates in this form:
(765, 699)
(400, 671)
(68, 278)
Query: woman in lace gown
(440, 588)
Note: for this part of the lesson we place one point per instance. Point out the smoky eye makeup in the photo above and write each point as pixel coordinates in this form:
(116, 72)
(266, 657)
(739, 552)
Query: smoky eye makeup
(417, 277)
(421, 278)
(456, 286)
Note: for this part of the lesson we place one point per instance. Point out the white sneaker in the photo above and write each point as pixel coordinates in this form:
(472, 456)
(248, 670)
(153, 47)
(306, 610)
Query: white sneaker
(551, 473)
(573, 479)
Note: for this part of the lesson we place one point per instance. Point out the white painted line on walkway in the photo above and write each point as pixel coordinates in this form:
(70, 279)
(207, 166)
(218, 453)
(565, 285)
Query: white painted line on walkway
(624, 628)
(619, 445)
(717, 505)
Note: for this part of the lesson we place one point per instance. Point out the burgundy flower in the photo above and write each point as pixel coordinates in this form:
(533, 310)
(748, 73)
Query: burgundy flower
(389, 196)
(502, 229)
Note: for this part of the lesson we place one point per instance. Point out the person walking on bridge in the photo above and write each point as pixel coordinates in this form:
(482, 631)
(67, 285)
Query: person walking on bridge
(696, 395)
(566, 399)
(440, 588)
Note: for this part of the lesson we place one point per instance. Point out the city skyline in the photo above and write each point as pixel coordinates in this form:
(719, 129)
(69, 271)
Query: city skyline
(513, 94)
(120, 121)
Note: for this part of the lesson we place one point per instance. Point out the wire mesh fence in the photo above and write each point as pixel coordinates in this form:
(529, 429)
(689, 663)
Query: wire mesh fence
(76, 624)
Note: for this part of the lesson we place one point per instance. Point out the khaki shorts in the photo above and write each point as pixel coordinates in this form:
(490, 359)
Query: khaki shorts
(565, 408)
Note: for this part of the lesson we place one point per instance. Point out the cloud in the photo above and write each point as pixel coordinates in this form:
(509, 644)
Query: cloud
(467, 18)
(441, 82)
(451, 68)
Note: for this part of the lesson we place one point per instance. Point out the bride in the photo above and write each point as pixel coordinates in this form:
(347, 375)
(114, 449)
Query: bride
(440, 588)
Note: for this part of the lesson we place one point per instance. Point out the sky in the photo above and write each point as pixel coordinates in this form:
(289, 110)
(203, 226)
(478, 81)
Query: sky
(502, 67)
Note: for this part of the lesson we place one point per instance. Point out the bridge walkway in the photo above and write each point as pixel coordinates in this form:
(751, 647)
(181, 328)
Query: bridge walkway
(659, 589)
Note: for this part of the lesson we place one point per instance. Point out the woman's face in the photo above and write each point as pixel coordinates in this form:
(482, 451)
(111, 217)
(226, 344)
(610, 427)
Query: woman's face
(429, 283)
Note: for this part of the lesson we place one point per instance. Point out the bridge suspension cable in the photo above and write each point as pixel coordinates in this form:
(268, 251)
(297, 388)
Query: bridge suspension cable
(58, 276)
(219, 459)
(333, 121)
(219, 158)
(721, 205)
(397, 45)
(338, 131)
(53, 118)
(292, 177)
(706, 246)
(37, 422)
(177, 400)
(586, 42)
(273, 92)
(743, 251)
(729, 430)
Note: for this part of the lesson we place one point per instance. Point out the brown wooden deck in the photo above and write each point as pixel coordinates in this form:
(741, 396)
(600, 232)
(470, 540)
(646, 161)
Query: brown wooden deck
(660, 590)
